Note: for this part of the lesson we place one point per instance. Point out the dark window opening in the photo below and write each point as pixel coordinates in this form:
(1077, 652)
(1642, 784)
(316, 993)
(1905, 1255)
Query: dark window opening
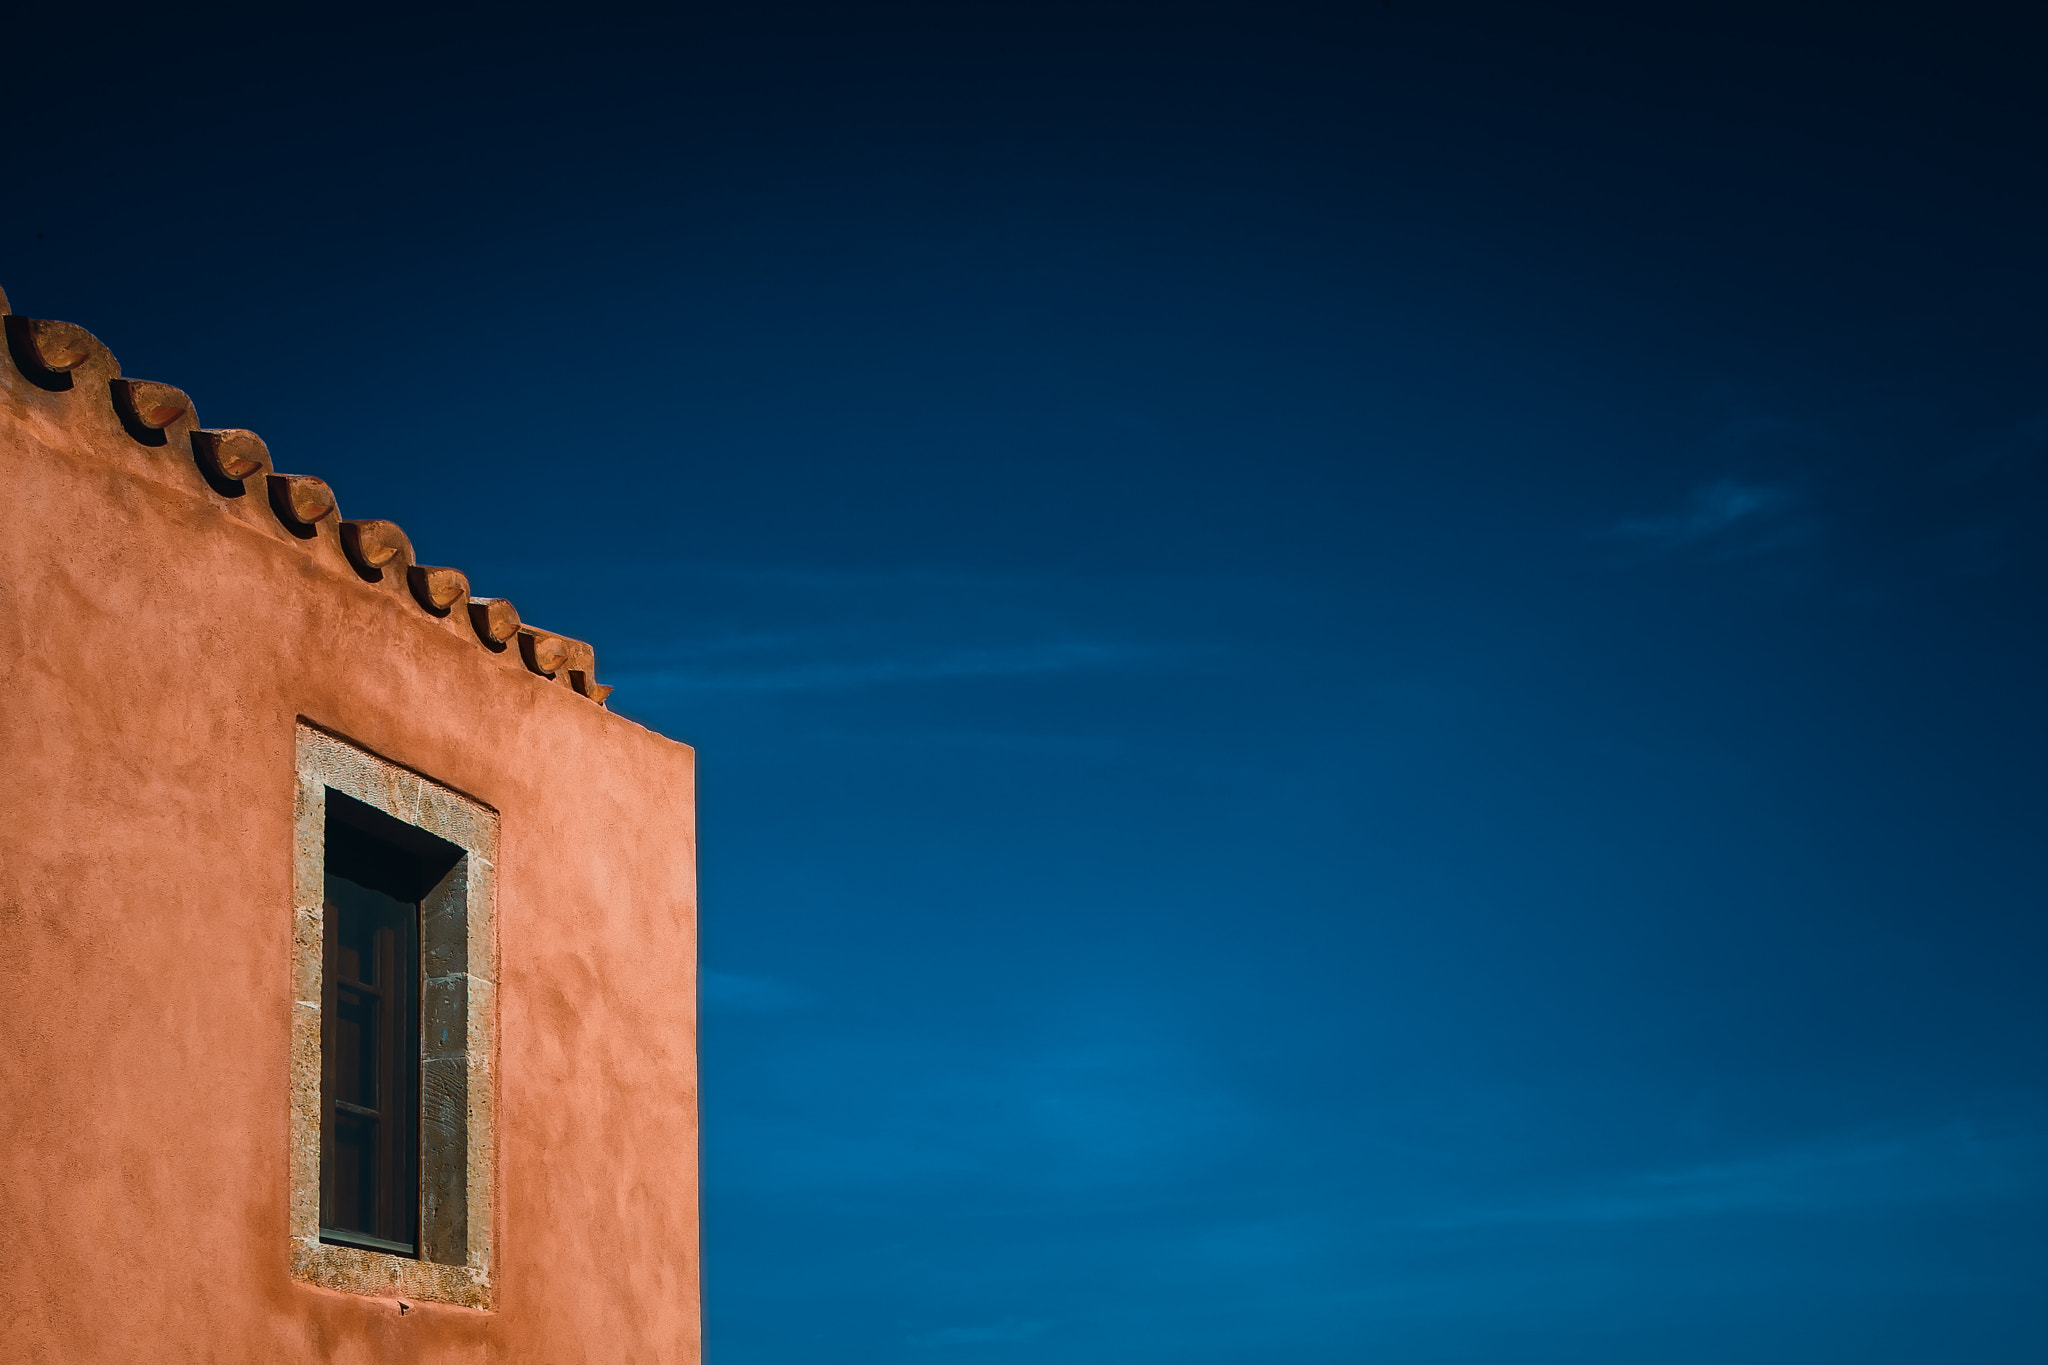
(377, 871)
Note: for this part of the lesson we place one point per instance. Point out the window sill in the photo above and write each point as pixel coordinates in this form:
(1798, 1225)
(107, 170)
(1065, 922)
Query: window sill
(343, 1237)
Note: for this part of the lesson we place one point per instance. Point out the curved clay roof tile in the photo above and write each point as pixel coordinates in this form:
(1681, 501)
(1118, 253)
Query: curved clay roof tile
(150, 404)
(233, 453)
(373, 544)
(58, 347)
(303, 498)
(438, 590)
(544, 651)
(47, 353)
(494, 619)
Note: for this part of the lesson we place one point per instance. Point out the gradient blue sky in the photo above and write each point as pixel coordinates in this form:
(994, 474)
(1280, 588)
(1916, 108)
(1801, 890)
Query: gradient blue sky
(1369, 681)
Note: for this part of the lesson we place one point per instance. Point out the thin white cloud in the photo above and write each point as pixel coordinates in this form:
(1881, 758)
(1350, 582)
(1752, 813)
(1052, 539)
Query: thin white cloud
(1131, 1107)
(1727, 513)
(1949, 1161)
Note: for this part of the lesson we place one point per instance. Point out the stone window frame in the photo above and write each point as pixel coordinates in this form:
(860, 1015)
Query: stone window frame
(458, 1003)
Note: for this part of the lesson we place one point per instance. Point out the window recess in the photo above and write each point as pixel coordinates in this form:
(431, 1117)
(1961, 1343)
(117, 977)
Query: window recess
(370, 1043)
(393, 1029)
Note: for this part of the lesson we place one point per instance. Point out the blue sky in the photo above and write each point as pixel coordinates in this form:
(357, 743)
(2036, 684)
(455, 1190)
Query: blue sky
(1368, 681)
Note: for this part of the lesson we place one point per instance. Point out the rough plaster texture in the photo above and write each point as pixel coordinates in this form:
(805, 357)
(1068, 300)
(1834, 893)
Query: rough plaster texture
(166, 638)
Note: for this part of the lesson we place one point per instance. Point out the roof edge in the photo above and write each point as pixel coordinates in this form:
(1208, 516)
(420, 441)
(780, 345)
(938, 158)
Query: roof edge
(64, 358)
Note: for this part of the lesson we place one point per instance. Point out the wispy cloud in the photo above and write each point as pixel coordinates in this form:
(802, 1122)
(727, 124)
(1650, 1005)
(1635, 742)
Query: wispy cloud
(1949, 1161)
(735, 993)
(1729, 515)
(1131, 1108)
(986, 1334)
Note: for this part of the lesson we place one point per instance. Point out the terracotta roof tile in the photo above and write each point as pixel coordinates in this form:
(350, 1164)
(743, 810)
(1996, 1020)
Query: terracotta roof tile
(62, 357)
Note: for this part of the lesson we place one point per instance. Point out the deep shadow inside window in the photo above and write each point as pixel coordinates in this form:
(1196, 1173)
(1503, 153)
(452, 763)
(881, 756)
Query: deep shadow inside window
(377, 871)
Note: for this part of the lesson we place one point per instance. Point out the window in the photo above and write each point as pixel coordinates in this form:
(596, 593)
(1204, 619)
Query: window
(377, 872)
(393, 1029)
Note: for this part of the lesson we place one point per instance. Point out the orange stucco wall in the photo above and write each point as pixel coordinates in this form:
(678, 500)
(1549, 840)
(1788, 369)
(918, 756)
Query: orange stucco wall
(162, 638)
